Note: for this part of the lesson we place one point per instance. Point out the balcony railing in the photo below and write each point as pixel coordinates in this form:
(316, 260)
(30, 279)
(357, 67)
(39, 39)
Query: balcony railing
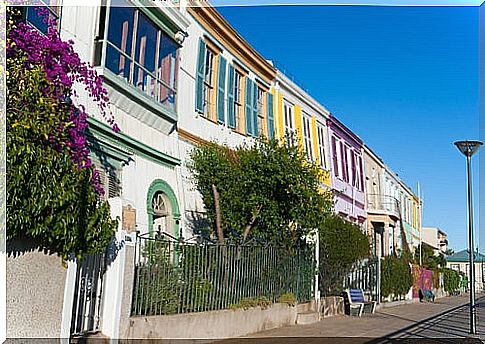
(382, 203)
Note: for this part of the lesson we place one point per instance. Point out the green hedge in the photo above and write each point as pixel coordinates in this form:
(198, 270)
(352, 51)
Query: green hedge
(451, 280)
(396, 276)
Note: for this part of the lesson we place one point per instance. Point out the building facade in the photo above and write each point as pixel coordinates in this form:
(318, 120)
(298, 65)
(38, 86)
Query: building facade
(177, 77)
(347, 172)
(228, 96)
(459, 261)
(393, 210)
(436, 238)
(297, 113)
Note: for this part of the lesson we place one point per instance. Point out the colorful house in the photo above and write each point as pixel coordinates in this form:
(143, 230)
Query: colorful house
(298, 113)
(392, 207)
(347, 172)
(228, 95)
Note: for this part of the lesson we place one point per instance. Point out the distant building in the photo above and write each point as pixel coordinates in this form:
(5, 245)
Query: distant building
(436, 238)
(459, 262)
(393, 209)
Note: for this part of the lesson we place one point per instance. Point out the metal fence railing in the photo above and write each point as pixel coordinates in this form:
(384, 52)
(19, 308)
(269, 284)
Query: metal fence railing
(362, 275)
(174, 277)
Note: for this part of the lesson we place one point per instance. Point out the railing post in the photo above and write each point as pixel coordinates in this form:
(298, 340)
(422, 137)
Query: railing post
(317, 263)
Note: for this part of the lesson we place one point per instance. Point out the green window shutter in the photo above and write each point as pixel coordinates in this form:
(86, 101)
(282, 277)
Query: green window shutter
(221, 89)
(249, 106)
(231, 115)
(255, 110)
(269, 103)
(199, 80)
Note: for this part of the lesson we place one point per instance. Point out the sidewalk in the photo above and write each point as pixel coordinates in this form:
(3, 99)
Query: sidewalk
(384, 322)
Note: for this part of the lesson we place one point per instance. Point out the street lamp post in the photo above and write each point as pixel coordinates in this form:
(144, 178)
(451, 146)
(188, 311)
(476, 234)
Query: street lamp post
(468, 148)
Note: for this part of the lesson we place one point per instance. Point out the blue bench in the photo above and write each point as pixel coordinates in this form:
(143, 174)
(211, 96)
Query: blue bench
(357, 304)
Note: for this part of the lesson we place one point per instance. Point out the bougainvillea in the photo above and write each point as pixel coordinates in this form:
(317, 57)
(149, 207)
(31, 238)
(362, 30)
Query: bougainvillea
(63, 68)
(53, 191)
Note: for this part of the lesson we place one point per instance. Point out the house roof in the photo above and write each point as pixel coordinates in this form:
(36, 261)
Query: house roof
(463, 256)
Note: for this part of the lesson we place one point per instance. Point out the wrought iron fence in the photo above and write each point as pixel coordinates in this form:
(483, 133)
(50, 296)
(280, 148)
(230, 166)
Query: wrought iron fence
(174, 277)
(362, 275)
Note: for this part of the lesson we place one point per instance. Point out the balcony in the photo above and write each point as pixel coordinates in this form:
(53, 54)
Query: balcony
(382, 204)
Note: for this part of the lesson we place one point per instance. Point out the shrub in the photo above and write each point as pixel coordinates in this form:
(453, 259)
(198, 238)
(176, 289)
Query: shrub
(451, 280)
(396, 276)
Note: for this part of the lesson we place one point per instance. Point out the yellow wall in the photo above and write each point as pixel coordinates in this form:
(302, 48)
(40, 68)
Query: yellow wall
(298, 125)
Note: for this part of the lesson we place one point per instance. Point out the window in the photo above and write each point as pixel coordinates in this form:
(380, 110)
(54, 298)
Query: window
(209, 82)
(344, 152)
(238, 100)
(455, 267)
(357, 180)
(288, 117)
(307, 138)
(109, 176)
(321, 145)
(37, 16)
(261, 111)
(361, 172)
(336, 155)
(142, 54)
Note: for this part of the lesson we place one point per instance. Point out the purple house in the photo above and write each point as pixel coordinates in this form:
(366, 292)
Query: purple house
(347, 172)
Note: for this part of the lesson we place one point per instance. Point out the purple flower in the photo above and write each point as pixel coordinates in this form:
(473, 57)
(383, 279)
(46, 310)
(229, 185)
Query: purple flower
(63, 67)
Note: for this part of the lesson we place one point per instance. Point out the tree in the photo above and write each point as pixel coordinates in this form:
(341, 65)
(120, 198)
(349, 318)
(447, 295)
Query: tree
(53, 191)
(265, 191)
(342, 243)
(429, 259)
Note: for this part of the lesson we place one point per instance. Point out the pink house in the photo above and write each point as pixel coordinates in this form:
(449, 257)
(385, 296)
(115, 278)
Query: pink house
(347, 172)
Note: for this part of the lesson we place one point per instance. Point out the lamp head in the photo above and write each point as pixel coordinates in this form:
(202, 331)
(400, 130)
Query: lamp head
(468, 148)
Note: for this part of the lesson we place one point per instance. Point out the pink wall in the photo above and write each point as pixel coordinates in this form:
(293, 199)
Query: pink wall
(422, 279)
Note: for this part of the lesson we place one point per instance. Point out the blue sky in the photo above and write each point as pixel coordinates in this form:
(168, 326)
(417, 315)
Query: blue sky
(405, 79)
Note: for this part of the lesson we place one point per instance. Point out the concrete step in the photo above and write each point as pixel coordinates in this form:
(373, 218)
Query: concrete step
(306, 318)
(91, 338)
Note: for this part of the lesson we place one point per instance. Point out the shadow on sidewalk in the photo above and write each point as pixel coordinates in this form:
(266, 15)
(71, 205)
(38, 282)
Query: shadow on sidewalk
(450, 326)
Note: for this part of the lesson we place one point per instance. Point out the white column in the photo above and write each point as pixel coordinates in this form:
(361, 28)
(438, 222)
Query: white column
(113, 278)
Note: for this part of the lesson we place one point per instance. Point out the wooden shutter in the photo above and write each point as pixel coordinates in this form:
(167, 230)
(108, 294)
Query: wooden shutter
(199, 82)
(269, 104)
(221, 89)
(231, 115)
(249, 106)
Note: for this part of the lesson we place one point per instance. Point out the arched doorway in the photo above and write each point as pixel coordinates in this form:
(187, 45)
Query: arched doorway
(162, 209)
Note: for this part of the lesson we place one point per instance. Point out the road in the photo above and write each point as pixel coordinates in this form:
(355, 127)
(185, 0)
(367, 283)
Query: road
(445, 321)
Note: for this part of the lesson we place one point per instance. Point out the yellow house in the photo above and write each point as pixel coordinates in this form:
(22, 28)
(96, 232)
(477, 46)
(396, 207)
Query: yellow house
(296, 112)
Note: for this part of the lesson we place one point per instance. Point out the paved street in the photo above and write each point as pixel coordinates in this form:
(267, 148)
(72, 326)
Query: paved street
(445, 321)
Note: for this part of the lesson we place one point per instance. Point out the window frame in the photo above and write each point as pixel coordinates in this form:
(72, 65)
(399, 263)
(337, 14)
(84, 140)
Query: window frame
(103, 45)
(321, 145)
(288, 114)
(239, 105)
(307, 136)
(53, 14)
(337, 156)
(209, 85)
(261, 110)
